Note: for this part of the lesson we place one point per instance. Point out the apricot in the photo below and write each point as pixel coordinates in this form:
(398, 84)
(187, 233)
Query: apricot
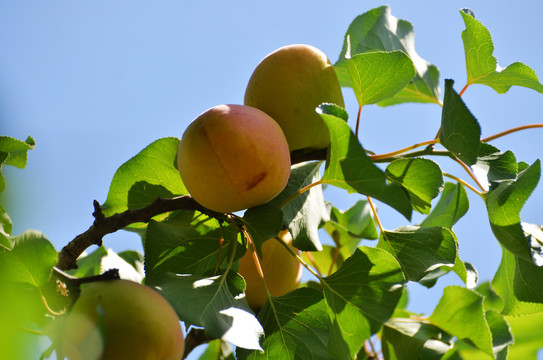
(233, 157)
(121, 320)
(282, 271)
(288, 85)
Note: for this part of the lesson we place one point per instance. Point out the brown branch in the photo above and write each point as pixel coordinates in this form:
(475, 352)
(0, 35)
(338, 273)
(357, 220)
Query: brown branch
(194, 338)
(298, 156)
(106, 225)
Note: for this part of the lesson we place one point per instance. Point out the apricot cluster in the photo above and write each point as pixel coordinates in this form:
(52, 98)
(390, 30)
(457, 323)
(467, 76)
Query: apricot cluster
(233, 157)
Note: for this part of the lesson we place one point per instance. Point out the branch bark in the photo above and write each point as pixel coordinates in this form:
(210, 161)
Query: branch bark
(106, 225)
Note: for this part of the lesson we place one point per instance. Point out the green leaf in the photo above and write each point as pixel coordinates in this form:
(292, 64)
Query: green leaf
(378, 30)
(422, 178)
(152, 173)
(376, 76)
(420, 250)
(217, 350)
(296, 326)
(527, 331)
(89, 265)
(349, 227)
(491, 300)
(304, 214)
(325, 261)
(348, 167)
(481, 65)
(410, 339)
(16, 151)
(208, 302)
(501, 333)
(6, 227)
(361, 297)
(504, 204)
(493, 166)
(189, 242)
(30, 261)
(263, 222)
(518, 283)
(460, 313)
(452, 205)
(460, 131)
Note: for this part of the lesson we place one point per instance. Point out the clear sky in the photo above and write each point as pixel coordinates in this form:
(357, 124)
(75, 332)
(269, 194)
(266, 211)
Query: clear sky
(95, 82)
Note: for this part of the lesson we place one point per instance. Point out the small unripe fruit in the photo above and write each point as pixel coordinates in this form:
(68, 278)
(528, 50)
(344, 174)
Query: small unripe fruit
(282, 271)
(233, 157)
(288, 85)
(122, 320)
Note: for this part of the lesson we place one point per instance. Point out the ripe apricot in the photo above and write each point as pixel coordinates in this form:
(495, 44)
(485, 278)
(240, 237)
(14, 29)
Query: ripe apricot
(282, 271)
(233, 157)
(288, 85)
(122, 320)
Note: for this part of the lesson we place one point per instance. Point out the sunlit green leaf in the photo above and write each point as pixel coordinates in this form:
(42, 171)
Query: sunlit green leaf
(208, 302)
(296, 326)
(30, 261)
(460, 131)
(348, 167)
(326, 261)
(518, 283)
(378, 30)
(349, 227)
(361, 297)
(6, 227)
(460, 312)
(16, 150)
(452, 205)
(527, 331)
(376, 76)
(412, 339)
(481, 65)
(217, 350)
(152, 173)
(422, 178)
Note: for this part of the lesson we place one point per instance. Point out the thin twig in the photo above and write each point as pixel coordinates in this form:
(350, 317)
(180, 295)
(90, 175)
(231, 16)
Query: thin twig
(515, 129)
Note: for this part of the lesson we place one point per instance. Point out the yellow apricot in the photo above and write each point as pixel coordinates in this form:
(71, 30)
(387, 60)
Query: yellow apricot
(233, 157)
(122, 320)
(282, 271)
(288, 85)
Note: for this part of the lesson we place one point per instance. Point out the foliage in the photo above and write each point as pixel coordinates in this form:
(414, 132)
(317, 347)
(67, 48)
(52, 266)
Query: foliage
(359, 291)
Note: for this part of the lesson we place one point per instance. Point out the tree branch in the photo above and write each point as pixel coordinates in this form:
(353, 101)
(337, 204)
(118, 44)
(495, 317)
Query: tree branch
(106, 225)
(194, 338)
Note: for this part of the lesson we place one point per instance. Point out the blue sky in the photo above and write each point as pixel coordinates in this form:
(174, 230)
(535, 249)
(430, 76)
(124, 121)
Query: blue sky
(95, 82)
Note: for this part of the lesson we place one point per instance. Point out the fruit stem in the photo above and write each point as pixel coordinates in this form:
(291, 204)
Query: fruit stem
(300, 192)
(358, 121)
(256, 259)
(463, 183)
(471, 174)
(464, 89)
(234, 246)
(299, 258)
(313, 262)
(507, 132)
(374, 211)
(401, 151)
